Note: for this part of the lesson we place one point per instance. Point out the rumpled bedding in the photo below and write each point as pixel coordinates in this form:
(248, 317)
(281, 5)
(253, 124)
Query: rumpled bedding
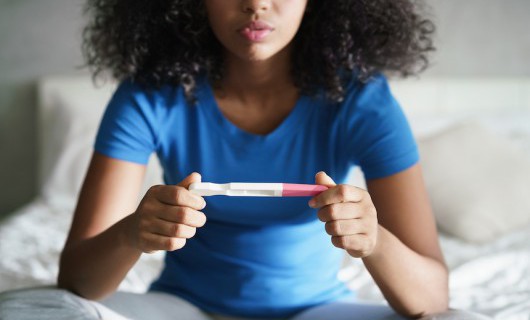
(492, 278)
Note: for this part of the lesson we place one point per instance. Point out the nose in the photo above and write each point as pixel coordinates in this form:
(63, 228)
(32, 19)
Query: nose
(255, 6)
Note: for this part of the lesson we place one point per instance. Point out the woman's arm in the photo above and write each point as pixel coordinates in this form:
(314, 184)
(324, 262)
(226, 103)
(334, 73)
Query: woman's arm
(407, 262)
(109, 232)
(392, 229)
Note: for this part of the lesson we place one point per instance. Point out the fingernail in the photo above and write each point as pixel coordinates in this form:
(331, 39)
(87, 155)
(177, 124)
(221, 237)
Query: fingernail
(312, 203)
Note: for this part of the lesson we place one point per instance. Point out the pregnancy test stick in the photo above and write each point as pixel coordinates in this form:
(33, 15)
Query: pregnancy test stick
(240, 189)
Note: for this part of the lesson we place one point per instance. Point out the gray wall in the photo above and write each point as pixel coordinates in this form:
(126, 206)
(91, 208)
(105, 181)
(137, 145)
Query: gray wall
(481, 38)
(37, 37)
(40, 37)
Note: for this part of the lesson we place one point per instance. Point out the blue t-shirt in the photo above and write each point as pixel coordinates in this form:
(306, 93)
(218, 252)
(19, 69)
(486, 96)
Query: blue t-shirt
(258, 256)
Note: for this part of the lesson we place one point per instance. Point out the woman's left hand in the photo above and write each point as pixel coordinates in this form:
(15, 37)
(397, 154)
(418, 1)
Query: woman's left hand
(349, 214)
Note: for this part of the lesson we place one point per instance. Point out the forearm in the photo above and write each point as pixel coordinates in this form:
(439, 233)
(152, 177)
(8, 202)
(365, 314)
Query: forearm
(94, 267)
(413, 284)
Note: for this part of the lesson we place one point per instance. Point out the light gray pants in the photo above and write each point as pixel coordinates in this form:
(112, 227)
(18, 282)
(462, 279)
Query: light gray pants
(56, 304)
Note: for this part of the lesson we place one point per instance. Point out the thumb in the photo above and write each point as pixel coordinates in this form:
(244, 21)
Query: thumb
(323, 179)
(193, 177)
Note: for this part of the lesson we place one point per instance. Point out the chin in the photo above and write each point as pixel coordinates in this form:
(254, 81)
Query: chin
(258, 58)
(258, 55)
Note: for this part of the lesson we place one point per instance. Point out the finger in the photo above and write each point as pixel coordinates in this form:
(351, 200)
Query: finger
(169, 229)
(191, 178)
(340, 211)
(152, 242)
(323, 179)
(178, 196)
(357, 245)
(183, 215)
(338, 194)
(345, 227)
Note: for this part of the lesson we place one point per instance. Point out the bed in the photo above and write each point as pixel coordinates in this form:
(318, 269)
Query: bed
(485, 231)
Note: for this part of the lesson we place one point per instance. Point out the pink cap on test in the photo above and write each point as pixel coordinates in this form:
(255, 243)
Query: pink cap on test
(302, 190)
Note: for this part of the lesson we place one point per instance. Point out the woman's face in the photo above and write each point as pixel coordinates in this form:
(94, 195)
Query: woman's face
(255, 30)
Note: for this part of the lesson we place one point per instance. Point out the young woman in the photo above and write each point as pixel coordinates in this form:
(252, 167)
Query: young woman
(252, 91)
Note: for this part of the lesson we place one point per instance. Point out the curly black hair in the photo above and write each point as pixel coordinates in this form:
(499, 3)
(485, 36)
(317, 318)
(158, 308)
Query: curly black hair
(170, 42)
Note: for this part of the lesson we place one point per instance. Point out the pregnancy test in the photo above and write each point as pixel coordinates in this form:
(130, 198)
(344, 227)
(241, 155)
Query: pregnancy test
(241, 189)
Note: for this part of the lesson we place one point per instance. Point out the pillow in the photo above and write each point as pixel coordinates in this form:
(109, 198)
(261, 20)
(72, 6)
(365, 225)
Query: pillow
(70, 108)
(479, 184)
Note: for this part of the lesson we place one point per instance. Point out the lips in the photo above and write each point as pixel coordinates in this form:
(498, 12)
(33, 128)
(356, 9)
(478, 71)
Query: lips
(256, 30)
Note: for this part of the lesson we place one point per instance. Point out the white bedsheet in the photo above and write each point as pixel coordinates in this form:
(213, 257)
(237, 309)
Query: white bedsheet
(493, 278)
(32, 239)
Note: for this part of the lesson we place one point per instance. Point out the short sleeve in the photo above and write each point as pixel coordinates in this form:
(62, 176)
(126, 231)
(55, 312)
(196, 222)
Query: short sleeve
(128, 128)
(377, 134)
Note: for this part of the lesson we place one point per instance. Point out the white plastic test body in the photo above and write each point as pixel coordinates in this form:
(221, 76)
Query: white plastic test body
(242, 189)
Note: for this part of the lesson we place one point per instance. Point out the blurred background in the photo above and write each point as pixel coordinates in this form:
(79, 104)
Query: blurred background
(475, 38)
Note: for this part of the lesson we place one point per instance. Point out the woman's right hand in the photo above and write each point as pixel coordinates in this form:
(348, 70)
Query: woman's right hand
(167, 216)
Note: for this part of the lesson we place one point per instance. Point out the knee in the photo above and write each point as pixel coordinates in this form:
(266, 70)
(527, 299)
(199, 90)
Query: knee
(44, 303)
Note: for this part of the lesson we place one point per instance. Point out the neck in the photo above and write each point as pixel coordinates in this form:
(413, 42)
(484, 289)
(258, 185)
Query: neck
(250, 80)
